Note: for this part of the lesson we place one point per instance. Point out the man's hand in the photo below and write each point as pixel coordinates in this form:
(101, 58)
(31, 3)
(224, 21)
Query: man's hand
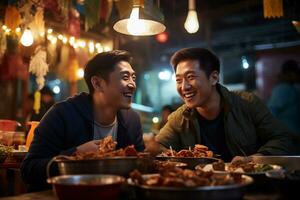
(244, 159)
(152, 146)
(89, 146)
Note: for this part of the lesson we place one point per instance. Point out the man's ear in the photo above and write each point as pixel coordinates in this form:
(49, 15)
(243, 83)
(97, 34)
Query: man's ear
(97, 83)
(214, 77)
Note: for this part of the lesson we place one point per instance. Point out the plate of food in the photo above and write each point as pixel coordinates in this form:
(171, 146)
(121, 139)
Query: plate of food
(107, 160)
(200, 154)
(242, 167)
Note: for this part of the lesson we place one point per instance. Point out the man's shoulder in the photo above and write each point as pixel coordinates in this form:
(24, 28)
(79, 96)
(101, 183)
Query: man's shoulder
(78, 99)
(244, 95)
(178, 114)
(245, 100)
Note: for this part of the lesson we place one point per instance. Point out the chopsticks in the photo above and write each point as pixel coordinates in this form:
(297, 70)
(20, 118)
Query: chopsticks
(171, 151)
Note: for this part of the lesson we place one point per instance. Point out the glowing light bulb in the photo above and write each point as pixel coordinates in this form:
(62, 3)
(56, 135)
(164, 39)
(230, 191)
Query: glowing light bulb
(135, 26)
(91, 47)
(60, 37)
(191, 23)
(65, 40)
(155, 120)
(107, 48)
(56, 89)
(18, 29)
(80, 73)
(27, 38)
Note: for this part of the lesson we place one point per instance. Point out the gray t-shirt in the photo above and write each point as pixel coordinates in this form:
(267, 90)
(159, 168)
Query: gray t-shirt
(102, 131)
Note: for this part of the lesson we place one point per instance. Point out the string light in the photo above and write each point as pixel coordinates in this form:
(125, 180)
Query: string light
(65, 40)
(60, 36)
(53, 37)
(80, 73)
(107, 48)
(91, 47)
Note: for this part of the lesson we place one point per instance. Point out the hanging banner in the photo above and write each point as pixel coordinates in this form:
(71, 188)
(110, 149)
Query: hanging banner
(273, 8)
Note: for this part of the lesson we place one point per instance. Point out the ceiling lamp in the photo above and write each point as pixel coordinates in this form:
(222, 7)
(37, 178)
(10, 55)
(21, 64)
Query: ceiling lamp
(191, 23)
(141, 20)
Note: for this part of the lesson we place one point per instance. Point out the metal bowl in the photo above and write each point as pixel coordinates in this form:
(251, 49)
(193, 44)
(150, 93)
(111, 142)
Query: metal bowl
(89, 187)
(111, 165)
(230, 192)
(190, 161)
(261, 182)
(287, 162)
(286, 181)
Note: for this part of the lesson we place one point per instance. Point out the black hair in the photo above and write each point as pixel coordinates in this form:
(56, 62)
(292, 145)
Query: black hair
(103, 64)
(289, 66)
(208, 61)
(290, 72)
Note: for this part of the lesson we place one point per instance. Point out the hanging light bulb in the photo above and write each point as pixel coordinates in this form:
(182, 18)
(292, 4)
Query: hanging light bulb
(27, 38)
(141, 21)
(191, 23)
(135, 26)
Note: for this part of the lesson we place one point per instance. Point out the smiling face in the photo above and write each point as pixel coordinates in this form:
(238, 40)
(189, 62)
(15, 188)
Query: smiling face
(194, 87)
(118, 90)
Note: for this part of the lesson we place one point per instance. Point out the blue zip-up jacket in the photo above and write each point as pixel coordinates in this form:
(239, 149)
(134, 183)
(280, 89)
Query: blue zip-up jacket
(67, 125)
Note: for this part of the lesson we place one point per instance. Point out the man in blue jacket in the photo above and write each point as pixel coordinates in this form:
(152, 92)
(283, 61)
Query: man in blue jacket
(78, 123)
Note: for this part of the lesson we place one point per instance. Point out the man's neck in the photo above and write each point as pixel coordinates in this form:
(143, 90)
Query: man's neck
(212, 108)
(104, 113)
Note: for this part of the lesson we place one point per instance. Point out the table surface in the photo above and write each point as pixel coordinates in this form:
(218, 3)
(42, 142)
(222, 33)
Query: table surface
(10, 163)
(49, 195)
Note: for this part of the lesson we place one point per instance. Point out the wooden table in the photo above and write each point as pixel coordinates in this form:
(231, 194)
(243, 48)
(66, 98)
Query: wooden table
(49, 195)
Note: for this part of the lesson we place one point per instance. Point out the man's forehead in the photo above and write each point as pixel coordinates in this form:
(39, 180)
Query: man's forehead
(124, 67)
(188, 66)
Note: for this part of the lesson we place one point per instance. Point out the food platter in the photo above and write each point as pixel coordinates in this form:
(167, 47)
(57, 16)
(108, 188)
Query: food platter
(261, 169)
(234, 191)
(191, 162)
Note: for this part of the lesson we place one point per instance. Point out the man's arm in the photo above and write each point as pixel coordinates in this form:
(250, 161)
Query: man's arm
(168, 135)
(48, 142)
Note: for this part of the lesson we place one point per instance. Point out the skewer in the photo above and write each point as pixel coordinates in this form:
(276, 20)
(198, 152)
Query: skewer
(171, 151)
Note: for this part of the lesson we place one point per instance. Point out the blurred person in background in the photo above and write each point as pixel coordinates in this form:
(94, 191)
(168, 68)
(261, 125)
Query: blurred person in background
(285, 99)
(80, 122)
(28, 108)
(47, 100)
(233, 124)
(166, 111)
